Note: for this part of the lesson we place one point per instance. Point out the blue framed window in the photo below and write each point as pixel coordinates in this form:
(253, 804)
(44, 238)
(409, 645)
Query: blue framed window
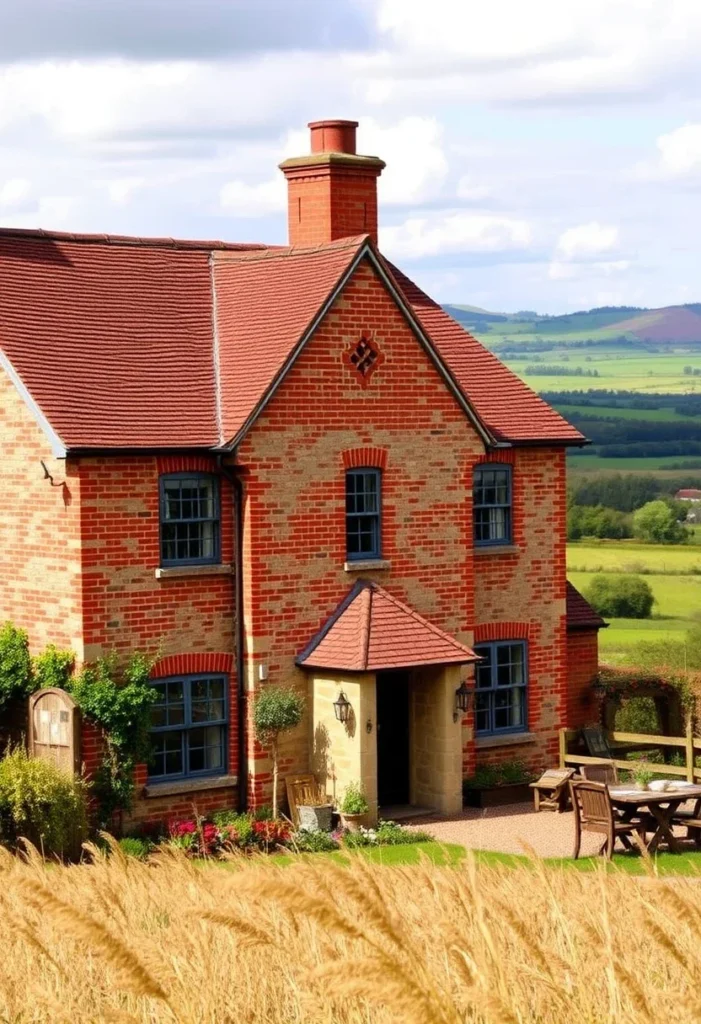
(491, 504)
(363, 502)
(501, 682)
(189, 727)
(189, 519)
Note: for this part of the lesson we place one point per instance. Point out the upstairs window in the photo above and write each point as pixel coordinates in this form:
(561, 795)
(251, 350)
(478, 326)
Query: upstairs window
(363, 496)
(189, 519)
(491, 502)
(188, 727)
(500, 688)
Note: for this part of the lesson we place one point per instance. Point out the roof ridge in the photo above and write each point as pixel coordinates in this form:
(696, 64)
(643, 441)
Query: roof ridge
(272, 252)
(365, 622)
(166, 242)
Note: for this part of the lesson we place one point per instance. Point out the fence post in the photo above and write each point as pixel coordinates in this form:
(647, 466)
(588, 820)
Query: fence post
(563, 747)
(689, 749)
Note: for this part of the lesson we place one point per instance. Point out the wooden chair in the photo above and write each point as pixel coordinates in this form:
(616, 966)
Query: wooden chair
(593, 812)
(550, 790)
(606, 773)
(302, 788)
(597, 742)
(692, 822)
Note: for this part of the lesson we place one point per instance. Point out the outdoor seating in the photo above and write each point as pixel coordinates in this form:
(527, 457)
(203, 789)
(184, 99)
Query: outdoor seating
(303, 789)
(692, 822)
(597, 742)
(593, 812)
(550, 790)
(606, 773)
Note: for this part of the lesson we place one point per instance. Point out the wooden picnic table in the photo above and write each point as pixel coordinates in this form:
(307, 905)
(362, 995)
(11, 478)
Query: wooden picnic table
(661, 806)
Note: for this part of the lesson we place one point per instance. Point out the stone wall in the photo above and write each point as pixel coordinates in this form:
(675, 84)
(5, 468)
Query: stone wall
(435, 751)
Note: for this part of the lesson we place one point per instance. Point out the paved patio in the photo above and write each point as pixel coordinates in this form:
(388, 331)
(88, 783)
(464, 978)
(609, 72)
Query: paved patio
(513, 828)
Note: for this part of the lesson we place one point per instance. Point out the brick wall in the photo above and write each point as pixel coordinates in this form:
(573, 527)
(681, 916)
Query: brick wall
(39, 531)
(582, 668)
(188, 620)
(295, 493)
(520, 594)
(327, 203)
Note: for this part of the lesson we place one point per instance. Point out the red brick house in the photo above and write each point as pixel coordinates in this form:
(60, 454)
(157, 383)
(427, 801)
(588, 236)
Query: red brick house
(286, 465)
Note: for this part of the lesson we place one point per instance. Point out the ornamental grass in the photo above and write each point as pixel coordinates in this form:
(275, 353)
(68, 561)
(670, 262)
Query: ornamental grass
(317, 942)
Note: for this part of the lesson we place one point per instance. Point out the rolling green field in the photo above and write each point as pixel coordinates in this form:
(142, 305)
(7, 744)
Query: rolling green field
(617, 369)
(651, 415)
(659, 465)
(670, 572)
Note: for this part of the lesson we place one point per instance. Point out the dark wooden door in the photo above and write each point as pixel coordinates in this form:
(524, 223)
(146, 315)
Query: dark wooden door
(392, 738)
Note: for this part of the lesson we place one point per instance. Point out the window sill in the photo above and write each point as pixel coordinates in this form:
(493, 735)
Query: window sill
(496, 549)
(367, 563)
(512, 739)
(171, 572)
(156, 789)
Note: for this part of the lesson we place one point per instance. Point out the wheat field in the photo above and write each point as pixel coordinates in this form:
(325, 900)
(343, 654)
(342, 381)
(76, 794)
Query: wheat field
(170, 940)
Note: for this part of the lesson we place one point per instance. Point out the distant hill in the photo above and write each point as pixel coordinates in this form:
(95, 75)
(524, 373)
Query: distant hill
(669, 325)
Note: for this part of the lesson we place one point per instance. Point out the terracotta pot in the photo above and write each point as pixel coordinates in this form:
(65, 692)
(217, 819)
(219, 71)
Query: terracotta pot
(353, 822)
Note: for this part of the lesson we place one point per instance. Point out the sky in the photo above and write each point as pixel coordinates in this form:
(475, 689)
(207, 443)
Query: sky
(542, 155)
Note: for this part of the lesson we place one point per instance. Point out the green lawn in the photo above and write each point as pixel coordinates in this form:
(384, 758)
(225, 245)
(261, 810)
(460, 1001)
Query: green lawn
(688, 863)
(632, 556)
(443, 854)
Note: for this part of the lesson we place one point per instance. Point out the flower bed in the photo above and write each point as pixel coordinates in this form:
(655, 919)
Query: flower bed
(229, 832)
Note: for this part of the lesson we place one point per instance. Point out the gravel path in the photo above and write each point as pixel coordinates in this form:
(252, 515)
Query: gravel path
(510, 829)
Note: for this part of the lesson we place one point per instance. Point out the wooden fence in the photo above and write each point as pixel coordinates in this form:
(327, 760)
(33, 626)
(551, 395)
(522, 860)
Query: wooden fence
(689, 744)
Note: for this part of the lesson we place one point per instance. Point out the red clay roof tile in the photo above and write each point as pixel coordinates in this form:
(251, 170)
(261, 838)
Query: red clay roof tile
(163, 343)
(372, 630)
(580, 614)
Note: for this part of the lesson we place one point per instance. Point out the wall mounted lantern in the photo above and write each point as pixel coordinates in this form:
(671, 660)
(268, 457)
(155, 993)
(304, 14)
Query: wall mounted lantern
(464, 697)
(342, 707)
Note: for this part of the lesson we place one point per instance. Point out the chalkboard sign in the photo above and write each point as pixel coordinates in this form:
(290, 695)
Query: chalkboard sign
(597, 744)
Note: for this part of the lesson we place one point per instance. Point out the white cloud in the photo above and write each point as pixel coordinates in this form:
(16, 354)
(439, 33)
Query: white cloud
(244, 200)
(459, 232)
(586, 241)
(559, 271)
(121, 190)
(679, 154)
(14, 192)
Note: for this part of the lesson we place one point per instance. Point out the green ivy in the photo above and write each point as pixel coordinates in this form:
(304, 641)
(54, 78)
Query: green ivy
(119, 703)
(16, 679)
(53, 668)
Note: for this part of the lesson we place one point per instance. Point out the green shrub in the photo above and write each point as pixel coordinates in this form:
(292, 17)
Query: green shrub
(506, 773)
(134, 847)
(354, 800)
(239, 827)
(390, 833)
(622, 597)
(53, 667)
(42, 803)
(313, 842)
(16, 678)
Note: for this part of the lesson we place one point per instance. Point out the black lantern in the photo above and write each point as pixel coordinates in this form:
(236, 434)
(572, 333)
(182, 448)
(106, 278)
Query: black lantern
(342, 707)
(463, 700)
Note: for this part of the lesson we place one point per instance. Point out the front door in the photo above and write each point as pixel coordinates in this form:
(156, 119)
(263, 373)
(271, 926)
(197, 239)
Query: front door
(392, 738)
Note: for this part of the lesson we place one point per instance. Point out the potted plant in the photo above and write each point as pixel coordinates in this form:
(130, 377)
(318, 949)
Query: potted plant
(643, 775)
(494, 785)
(353, 807)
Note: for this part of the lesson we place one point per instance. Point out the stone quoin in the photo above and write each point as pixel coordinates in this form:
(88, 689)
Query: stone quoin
(286, 466)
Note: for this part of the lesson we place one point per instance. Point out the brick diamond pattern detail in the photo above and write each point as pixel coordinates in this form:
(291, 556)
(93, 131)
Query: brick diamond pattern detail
(364, 357)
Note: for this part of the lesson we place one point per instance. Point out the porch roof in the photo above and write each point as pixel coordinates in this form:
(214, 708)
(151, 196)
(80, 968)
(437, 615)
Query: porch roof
(372, 630)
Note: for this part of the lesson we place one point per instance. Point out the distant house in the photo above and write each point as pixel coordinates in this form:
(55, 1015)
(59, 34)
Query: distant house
(688, 494)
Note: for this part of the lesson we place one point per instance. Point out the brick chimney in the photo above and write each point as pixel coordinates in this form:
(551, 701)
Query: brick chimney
(332, 193)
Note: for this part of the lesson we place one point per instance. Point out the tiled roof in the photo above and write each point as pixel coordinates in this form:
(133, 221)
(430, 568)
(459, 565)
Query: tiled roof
(372, 630)
(112, 337)
(507, 406)
(265, 303)
(160, 343)
(580, 614)
(688, 492)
